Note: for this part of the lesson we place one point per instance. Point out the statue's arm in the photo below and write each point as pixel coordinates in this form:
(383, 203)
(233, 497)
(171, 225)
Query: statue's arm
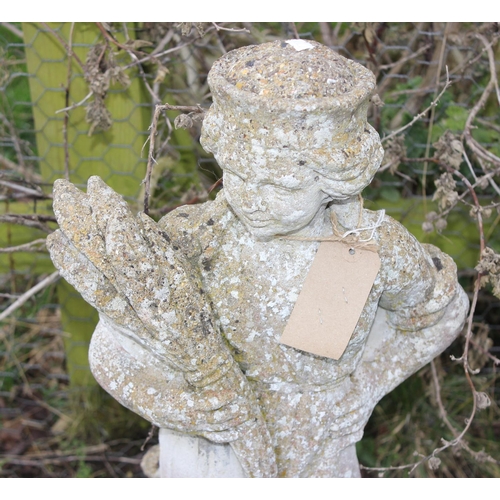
(391, 355)
(161, 394)
(422, 310)
(124, 267)
(156, 330)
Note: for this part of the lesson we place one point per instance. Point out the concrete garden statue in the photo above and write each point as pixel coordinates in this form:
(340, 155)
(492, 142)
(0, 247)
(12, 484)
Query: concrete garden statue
(258, 331)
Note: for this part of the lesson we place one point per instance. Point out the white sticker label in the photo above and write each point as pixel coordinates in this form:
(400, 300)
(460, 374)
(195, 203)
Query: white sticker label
(299, 45)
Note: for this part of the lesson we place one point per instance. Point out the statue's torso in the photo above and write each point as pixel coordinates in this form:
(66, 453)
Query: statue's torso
(253, 287)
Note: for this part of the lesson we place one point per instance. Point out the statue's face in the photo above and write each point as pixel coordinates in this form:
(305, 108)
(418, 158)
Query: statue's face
(271, 204)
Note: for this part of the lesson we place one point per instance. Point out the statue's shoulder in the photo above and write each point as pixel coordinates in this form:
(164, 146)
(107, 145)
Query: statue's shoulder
(394, 240)
(404, 260)
(413, 273)
(194, 228)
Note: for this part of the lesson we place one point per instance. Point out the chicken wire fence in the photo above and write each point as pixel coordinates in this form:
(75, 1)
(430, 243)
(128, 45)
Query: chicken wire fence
(77, 100)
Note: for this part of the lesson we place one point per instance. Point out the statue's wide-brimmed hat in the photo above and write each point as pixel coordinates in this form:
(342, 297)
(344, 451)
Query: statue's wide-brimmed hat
(293, 102)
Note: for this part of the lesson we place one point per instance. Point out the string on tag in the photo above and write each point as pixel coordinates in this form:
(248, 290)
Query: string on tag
(371, 228)
(350, 237)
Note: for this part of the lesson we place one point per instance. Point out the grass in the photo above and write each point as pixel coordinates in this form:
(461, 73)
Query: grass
(48, 429)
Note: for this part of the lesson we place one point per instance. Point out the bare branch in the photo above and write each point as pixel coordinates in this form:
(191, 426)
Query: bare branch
(491, 61)
(9, 164)
(156, 56)
(234, 30)
(152, 139)
(409, 57)
(19, 187)
(432, 105)
(163, 42)
(32, 246)
(77, 105)
(71, 458)
(15, 140)
(13, 29)
(66, 101)
(492, 84)
(485, 352)
(107, 35)
(63, 43)
(27, 295)
(30, 220)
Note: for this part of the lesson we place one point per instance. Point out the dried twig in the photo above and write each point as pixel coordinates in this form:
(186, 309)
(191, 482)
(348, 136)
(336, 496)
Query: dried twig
(32, 246)
(326, 33)
(16, 142)
(163, 42)
(63, 43)
(491, 61)
(152, 139)
(15, 460)
(149, 436)
(132, 53)
(13, 29)
(5, 162)
(469, 62)
(492, 84)
(293, 28)
(433, 114)
(154, 95)
(30, 220)
(149, 168)
(405, 59)
(481, 455)
(66, 101)
(77, 105)
(485, 352)
(38, 194)
(488, 124)
(395, 69)
(158, 55)
(108, 36)
(27, 295)
(470, 188)
(458, 436)
(233, 30)
(488, 175)
(86, 450)
(442, 411)
(432, 105)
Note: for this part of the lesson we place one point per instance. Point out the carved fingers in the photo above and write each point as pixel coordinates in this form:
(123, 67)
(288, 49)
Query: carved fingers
(93, 285)
(134, 264)
(74, 216)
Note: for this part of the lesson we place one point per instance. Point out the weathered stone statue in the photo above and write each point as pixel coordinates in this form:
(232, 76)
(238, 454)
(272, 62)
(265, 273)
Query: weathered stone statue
(216, 325)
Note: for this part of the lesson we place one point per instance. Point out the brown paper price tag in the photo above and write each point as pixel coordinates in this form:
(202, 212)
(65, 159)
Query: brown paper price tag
(332, 299)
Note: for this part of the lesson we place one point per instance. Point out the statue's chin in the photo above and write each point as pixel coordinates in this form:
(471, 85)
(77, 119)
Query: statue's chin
(268, 233)
(261, 232)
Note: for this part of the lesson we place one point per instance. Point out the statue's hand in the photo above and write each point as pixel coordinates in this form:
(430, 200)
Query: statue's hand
(138, 272)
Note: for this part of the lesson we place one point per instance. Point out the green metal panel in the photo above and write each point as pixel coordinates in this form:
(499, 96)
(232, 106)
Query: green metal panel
(115, 155)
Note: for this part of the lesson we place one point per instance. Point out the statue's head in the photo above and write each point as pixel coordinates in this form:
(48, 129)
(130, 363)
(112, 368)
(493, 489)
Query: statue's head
(288, 127)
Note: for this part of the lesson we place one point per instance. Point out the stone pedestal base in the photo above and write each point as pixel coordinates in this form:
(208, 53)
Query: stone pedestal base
(187, 456)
